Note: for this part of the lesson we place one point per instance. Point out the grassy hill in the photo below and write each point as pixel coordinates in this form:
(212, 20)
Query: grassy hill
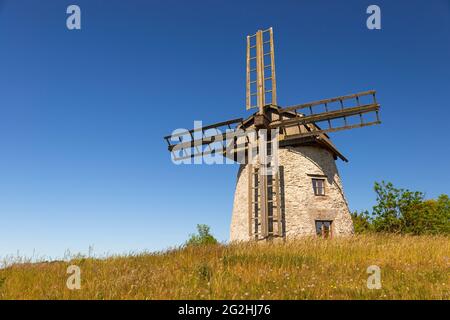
(412, 267)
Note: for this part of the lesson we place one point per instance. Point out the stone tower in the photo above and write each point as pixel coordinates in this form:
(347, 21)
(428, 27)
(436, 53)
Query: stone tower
(311, 192)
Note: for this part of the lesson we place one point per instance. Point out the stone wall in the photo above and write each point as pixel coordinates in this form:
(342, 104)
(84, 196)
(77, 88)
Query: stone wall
(300, 207)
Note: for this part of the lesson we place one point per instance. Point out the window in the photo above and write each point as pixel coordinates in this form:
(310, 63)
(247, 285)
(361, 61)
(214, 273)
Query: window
(323, 228)
(318, 186)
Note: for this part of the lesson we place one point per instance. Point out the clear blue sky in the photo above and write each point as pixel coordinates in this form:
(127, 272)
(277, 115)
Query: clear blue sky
(83, 113)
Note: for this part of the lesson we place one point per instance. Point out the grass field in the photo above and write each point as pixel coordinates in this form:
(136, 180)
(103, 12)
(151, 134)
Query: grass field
(411, 268)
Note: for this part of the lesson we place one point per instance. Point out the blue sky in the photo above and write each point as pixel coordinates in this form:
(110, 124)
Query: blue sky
(83, 113)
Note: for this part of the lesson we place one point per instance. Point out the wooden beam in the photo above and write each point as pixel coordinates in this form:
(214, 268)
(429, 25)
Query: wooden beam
(222, 152)
(226, 136)
(248, 97)
(317, 132)
(263, 201)
(276, 177)
(330, 115)
(261, 92)
(250, 199)
(272, 62)
(212, 126)
(319, 102)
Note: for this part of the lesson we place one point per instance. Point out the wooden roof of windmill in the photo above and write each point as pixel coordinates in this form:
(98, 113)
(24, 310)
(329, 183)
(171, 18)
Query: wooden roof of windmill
(321, 140)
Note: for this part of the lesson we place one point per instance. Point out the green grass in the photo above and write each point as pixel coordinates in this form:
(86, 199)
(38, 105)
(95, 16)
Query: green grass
(412, 267)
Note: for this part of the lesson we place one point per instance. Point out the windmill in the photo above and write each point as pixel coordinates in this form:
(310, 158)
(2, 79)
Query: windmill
(296, 191)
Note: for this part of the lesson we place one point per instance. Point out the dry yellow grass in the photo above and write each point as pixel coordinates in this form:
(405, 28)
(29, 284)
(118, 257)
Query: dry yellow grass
(411, 268)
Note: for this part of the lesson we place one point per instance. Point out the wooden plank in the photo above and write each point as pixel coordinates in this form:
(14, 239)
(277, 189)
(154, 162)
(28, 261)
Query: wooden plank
(226, 136)
(319, 102)
(278, 202)
(272, 61)
(264, 204)
(260, 72)
(263, 201)
(248, 96)
(229, 149)
(330, 115)
(317, 132)
(222, 152)
(212, 126)
(250, 199)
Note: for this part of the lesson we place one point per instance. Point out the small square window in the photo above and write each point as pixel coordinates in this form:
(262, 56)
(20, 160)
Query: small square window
(323, 228)
(318, 186)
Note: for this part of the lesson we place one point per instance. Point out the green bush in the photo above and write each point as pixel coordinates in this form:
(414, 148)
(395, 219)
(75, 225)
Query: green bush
(404, 211)
(428, 217)
(361, 222)
(204, 237)
(393, 206)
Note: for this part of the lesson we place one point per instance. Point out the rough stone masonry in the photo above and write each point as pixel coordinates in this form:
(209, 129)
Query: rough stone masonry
(301, 208)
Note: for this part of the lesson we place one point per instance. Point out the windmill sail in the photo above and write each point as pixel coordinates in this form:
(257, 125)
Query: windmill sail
(261, 81)
(221, 138)
(353, 116)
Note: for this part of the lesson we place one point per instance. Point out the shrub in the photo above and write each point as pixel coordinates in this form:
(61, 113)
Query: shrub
(428, 217)
(361, 222)
(404, 211)
(204, 237)
(392, 207)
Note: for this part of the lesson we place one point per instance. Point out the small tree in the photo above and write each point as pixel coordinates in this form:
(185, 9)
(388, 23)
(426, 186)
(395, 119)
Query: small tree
(405, 211)
(204, 237)
(394, 205)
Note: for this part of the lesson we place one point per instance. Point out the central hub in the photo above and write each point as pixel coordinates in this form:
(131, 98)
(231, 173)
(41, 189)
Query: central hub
(261, 121)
